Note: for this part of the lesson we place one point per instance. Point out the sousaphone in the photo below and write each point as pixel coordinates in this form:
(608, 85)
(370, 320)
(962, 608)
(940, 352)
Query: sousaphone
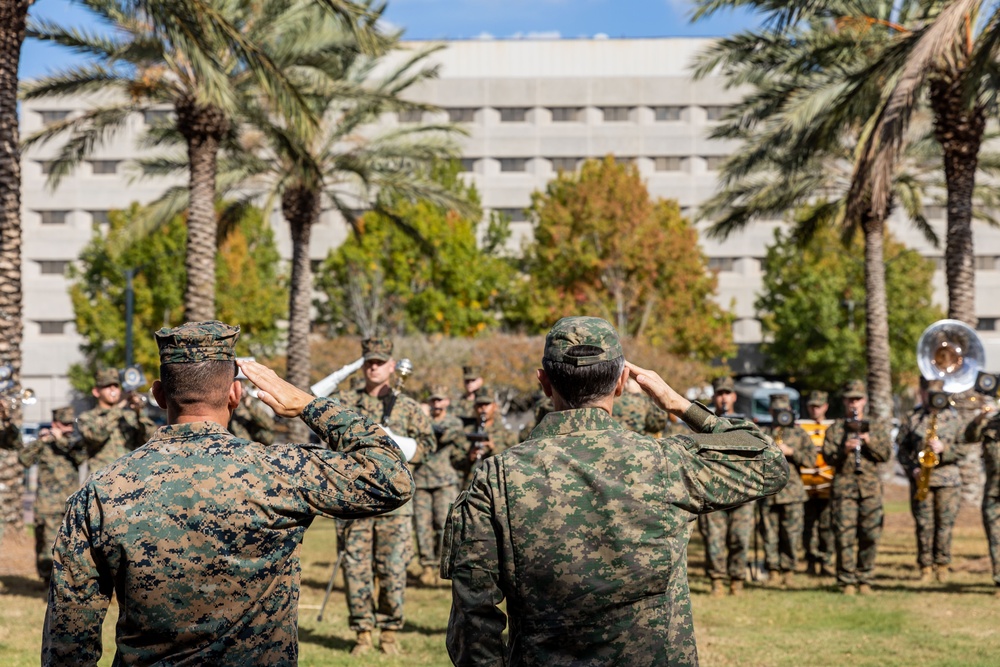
(951, 351)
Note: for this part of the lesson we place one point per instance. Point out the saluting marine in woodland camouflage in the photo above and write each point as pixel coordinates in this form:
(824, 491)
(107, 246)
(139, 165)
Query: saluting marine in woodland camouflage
(111, 430)
(58, 456)
(782, 513)
(381, 548)
(726, 532)
(935, 515)
(251, 420)
(437, 484)
(817, 533)
(857, 489)
(583, 529)
(494, 438)
(198, 532)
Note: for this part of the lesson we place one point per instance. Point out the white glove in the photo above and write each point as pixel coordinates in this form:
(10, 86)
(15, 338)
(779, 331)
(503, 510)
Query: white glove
(407, 445)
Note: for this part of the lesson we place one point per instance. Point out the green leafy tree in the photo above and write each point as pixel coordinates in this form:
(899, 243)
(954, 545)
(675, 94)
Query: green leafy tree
(813, 301)
(251, 290)
(426, 275)
(602, 246)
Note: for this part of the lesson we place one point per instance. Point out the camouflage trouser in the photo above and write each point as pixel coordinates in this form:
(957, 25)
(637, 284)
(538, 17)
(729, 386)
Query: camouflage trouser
(991, 521)
(817, 534)
(970, 465)
(46, 529)
(727, 541)
(430, 511)
(381, 547)
(935, 517)
(858, 525)
(782, 525)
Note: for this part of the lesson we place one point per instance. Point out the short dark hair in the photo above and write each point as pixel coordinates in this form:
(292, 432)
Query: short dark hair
(580, 386)
(202, 383)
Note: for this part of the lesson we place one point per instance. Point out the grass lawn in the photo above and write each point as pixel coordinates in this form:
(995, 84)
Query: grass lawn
(905, 623)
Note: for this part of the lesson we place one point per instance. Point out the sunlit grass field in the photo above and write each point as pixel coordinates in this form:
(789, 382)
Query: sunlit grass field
(905, 623)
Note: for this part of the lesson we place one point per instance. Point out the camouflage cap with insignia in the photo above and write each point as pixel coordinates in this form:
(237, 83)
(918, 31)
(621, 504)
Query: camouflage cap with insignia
(438, 391)
(571, 332)
(194, 342)
(471, 372)
(817, 398)
(485, 396)
(780, 402)
(378, 349)
(106, 377)
(63, 415)
(855, 389)
(724, 383)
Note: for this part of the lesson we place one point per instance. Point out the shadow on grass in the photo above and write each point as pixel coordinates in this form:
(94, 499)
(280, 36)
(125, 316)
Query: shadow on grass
(430, 631)
(321, 585)
(309, 636)
(23, 586)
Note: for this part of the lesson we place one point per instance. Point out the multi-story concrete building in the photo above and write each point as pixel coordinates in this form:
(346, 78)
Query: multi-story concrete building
(531, 108)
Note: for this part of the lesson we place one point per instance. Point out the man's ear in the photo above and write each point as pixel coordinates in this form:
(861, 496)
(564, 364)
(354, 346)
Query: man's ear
(235, 394)
(543, 380)
(622, 381)
(95, 392)
(159, 395)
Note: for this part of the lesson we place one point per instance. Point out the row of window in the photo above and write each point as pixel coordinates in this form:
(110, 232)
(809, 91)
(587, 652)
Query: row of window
(150, 117)
(660, 163)
(97, 167)
(576, 114)
(61, 216)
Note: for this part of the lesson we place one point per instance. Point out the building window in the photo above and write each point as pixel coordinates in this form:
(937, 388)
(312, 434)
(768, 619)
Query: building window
(726, 264)
(714, 162)
(513, 114)
(513, 214)
(462, 115)
(986, 263)
(98, 218)
(154, 117)
(52, 327)
(669, 163)
(667, 113)
(53, 267)
(101, 167)
(716, 112)
(566, 114)
(615, 114)
(467, 164)
(935, 212)
(564, 163)
(410, 116)
(513, 164)
(53, 116)
(986, 324)
(53, 217)
(315, 265)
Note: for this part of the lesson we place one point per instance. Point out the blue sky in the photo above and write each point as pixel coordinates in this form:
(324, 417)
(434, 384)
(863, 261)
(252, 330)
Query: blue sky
(467, 19)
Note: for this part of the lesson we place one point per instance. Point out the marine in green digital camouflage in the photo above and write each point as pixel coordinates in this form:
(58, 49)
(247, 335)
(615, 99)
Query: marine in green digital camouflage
(783, 512)
(583, 528)
(109, 431)
(857, 491)
(58, 457)
(251, 421)
(990, 434)
(198, 532)
(934, 516)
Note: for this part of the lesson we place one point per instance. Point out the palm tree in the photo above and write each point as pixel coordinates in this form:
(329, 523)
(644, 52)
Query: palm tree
(151, 61)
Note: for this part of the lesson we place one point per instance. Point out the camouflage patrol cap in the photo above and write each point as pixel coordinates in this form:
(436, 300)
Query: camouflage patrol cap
(194, 342)
(63, 415)
(570, 332)
(722, 384)
(484, 396)
(855, 389)
(438, 391)
(471, 372)
(106, 377)
(379, 349)
(818, 398)
(780, 402)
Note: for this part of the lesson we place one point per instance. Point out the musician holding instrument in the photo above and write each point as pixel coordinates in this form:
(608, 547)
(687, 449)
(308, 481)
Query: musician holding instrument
(489, 437)
(854, 447)
(817, 535)
(116, 425)
(380, 548)
(928, 453)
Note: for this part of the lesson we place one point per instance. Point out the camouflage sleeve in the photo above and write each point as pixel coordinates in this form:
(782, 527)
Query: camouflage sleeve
(460, 455)
(422, 431)
(137, 428)
(470, 558)
(10, 434)
(94, 427)
(879, 444)
(805, 452)
(833, 446)
(453, 435)
(31, 454)
(81, 587)
(731, 462)
(974, 429)
(904, 447)
(950, 435)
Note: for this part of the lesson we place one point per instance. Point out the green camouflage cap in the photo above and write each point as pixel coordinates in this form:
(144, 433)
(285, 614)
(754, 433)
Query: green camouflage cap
(780, 402)
(484, 396)
(438, 391)
(471, 372)
(855, 389)
(63, 415)
(818, 398)
(193, 342)
(106, 377)
(379, 349)
(722, 384)
(570, 332)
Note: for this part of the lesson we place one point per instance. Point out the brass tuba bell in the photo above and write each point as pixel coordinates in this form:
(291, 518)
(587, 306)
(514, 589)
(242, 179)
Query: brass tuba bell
(951, 351)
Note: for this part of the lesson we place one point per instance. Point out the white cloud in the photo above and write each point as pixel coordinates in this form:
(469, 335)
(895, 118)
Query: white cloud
(544, 34)
(484, 35)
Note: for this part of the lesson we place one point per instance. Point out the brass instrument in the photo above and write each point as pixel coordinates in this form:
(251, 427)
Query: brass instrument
(927, 460)
(12, 401)
(856, 426)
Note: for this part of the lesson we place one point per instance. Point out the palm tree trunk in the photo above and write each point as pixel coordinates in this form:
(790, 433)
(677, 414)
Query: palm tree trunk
(877, 319)
(13, 14)
(301, 208)
(203, 127)
(959, 130)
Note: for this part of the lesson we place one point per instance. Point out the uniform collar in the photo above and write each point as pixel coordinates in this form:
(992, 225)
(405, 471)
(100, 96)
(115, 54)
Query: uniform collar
(571, 421)
(186, 431)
